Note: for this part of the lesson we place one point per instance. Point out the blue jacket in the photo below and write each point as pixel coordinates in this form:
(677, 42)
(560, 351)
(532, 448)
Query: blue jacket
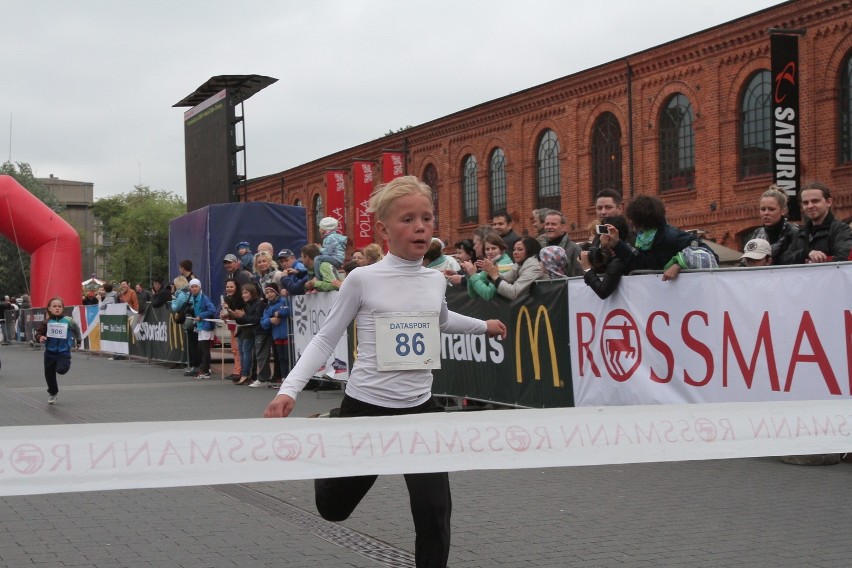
(334, 244)
(282, 309)
(203, 308)
(180, 299)
(56, 345)
(295, 283)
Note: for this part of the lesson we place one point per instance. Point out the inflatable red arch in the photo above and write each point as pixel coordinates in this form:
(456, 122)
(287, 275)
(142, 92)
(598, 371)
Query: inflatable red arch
(54, 245)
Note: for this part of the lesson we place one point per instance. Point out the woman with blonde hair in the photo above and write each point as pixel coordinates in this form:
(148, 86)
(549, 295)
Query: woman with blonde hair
(372, 254)
(776, 229)
(392, 294)
(264, 269)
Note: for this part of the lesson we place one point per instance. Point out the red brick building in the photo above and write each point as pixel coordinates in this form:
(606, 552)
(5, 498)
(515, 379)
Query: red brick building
(687, 121)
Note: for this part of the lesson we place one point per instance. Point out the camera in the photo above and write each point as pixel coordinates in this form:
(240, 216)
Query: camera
(601, 230)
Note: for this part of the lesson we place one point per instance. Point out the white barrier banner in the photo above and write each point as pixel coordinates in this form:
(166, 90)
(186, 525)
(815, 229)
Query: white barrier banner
(309, 313)
(730, 335)
(95, 457)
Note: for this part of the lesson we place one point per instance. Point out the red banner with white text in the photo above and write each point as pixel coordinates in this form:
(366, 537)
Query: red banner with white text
(362, 182)
(335, 186)
(393, 166)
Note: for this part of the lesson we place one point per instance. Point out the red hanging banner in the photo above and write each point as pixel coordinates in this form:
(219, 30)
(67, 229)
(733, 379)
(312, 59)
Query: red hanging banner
(362, 183)
(335, 191)
(392, 165)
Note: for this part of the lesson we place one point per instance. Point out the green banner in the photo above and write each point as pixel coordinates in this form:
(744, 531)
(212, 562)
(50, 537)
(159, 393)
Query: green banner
(531, 367)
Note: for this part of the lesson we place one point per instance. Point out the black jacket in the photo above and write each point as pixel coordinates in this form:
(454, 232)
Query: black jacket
(160, 298)
(667, 243)
(832, 237)
(604, 285)
(779, 236)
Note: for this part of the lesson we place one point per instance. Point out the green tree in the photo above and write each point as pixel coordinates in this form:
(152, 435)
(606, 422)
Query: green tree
(14, 262)
(135, 232)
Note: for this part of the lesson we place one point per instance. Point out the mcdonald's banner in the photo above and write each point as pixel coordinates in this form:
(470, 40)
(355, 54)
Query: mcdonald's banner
(393, 166)
(362, 183)
(733, 335)
(529, 368)
(335, 185)
(156, 336)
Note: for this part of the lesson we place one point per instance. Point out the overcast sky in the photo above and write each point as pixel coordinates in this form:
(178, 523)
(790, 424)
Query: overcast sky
(88, 86)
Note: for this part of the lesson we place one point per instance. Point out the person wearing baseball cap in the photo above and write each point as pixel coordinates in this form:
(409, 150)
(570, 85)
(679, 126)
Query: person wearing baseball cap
(235, 271)
(293, 273)
(757, 252)
(245, 255)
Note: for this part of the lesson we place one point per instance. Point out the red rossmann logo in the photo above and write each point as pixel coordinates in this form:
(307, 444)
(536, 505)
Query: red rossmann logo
(787, 75)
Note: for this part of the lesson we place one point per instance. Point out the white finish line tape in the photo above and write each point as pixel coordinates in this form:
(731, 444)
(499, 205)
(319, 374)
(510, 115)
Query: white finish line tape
(94, 457)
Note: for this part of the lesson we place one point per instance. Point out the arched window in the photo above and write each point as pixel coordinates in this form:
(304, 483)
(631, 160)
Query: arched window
(547, 170)
(846, 111)
(430, 178)
(497, 181)
(298, 203)
(470, 191)
(606, 154)
(756, 126)
(319, 213)
(677, 145)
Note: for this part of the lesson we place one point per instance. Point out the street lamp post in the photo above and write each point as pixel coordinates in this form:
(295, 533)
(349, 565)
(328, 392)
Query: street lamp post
(150, 236)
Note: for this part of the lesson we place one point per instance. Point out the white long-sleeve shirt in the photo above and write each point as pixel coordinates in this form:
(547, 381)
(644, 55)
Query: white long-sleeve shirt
(391, 285)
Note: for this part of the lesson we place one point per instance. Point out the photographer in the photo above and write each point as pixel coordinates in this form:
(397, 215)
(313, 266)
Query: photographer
(602, 270)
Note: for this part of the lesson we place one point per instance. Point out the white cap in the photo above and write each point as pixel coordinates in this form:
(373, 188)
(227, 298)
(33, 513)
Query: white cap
(195, 282)
(757, 249)
(328, 224)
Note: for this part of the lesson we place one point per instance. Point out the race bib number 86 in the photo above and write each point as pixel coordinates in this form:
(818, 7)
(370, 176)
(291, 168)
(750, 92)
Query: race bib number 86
(408, 341)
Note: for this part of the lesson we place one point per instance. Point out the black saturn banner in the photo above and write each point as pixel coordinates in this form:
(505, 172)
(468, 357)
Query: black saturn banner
(786, 136)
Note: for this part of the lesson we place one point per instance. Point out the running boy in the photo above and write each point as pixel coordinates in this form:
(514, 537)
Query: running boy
(60, 334)
(395, 290)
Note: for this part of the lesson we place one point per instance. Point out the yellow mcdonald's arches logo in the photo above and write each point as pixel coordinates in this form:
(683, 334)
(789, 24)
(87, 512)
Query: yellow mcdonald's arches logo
(533, 328)
(175, 334)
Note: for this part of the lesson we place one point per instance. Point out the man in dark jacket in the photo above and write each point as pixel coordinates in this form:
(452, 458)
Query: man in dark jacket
(502, 223)
(822, 238)
(162, 294)
(556, 234)
(293, 273)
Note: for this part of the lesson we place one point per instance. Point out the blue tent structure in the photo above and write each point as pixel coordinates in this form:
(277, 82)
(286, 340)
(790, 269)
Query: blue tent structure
(206, 235)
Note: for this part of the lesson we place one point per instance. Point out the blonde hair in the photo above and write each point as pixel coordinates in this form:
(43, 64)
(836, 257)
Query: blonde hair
(272, 264)
(180, 282)
(777, 194)
(372, 253)
(385, 195)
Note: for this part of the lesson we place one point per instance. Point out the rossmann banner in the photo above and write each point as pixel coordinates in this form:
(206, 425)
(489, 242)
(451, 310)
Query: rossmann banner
(530, 367)
(733, 335)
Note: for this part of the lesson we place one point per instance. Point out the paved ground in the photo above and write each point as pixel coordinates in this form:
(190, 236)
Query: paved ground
(749, 512)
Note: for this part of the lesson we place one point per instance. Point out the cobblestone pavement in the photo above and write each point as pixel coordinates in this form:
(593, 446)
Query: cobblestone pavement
(757, 512)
